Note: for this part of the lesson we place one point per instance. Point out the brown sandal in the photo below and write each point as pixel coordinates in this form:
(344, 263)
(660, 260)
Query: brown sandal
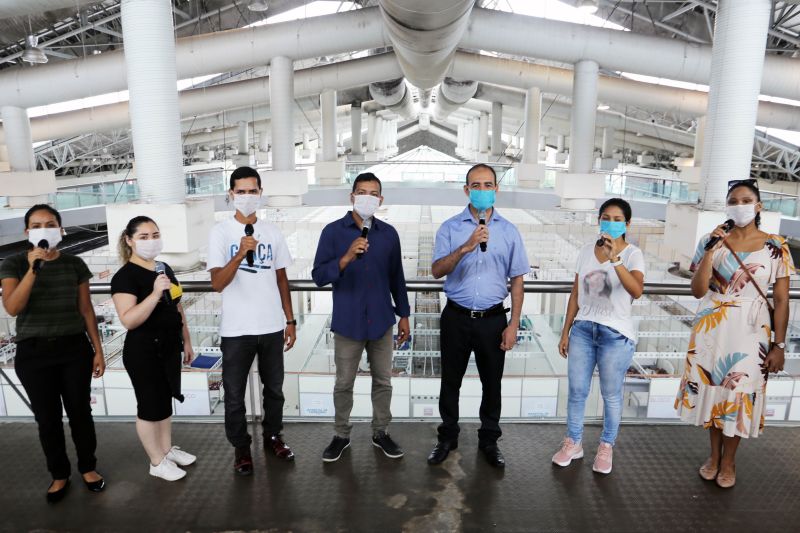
(726, 481)
(708, 471)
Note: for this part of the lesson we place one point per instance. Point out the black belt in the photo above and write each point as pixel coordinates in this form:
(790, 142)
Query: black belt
(492, 311)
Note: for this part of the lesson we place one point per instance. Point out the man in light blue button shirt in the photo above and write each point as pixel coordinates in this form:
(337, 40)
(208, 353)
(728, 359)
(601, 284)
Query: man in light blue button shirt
(479, 251)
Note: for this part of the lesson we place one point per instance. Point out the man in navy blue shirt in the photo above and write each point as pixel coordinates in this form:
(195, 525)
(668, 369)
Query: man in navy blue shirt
(478, 269)
(361, 257)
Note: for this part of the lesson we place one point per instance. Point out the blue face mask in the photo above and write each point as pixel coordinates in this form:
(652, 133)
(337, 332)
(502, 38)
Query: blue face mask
(613, 229)
(481, 200)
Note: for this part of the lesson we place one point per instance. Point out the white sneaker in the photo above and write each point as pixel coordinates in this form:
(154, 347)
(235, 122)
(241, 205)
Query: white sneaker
(180, 457)
(167, 470)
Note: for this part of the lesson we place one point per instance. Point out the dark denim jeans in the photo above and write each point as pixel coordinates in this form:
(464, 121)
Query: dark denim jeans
(238, 354)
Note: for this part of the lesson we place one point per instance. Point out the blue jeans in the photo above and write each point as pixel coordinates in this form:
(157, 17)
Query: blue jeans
(592, 344)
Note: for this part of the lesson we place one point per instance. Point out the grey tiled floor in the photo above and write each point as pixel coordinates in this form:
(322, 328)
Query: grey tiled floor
(654, 486)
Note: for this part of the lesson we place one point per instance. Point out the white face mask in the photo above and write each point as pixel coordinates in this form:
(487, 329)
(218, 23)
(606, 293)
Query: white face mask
(51, 235)
(366, 205)
(246, 204)
(148, 249)
(742, 215)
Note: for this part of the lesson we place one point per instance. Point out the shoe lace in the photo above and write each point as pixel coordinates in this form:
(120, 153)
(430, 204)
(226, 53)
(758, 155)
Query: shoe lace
(567, 444)
(604, 452)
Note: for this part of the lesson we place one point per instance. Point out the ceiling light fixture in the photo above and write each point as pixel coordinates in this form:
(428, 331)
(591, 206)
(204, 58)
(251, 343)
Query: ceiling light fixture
(588, 6)
(258, 5)
(32, 53)
(603, 107)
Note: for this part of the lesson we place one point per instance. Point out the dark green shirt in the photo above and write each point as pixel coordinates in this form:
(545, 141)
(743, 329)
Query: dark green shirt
(52, 309)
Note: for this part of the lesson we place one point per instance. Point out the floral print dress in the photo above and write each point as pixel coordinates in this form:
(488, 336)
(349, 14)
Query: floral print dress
(724, 380)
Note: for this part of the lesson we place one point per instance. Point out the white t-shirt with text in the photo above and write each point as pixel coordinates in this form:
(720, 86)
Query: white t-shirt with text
(601, 296)
(251, 303)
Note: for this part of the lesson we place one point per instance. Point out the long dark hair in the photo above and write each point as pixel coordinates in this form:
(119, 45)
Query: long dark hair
(754, 190)
(123, 247)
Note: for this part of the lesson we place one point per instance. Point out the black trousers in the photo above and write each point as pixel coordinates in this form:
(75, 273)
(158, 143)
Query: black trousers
(460, 335)
(237, 358)
(52, 371)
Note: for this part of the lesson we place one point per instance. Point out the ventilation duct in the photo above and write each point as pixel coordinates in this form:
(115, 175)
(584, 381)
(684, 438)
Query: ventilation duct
(395, 96)
(425, 34)
(451, 95)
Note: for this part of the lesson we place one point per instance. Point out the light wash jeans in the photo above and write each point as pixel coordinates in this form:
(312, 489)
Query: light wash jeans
(592, 344)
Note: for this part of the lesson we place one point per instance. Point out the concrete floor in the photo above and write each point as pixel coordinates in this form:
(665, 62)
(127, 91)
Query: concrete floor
(654, 486)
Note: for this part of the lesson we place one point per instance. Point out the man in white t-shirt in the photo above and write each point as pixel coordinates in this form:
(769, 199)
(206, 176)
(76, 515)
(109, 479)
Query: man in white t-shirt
(247, 259)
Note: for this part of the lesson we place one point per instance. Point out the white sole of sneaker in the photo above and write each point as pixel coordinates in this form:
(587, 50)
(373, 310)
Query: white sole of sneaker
(595, 469)
(181, 476)
(338, 456)
(578, 455)
(386, 453)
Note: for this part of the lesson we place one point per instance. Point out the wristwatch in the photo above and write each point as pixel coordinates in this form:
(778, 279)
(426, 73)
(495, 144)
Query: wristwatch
(781, 345)
(617, 263)
(292, 322)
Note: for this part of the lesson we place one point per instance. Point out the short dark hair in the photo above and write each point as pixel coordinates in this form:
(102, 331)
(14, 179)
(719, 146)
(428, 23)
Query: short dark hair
(367, 176)
(751, 184)
(481, 165)
(243, 173)
(42, 207)
(617, 202)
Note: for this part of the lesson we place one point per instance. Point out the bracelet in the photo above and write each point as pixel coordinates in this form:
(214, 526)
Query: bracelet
(292, 322)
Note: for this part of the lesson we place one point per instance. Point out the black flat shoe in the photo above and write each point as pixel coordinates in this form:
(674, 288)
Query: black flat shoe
(493, 456)
(57, 496)
(441, 451)
(96, 486)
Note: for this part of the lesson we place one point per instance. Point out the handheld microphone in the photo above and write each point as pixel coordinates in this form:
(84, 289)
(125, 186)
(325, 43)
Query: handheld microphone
(39, 263)
(248, 230)
(166, 297)
(364, 233)
(714, 240)
(482, 222)
(600, 242)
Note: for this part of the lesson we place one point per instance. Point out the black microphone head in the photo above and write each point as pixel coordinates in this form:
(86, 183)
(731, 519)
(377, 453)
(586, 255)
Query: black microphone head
(248, 230)
(729, 224)
(364, 231)
(160, 268)
(43, 244)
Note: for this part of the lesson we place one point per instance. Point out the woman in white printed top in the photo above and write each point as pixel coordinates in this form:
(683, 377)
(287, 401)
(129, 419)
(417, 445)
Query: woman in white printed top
(599, 330)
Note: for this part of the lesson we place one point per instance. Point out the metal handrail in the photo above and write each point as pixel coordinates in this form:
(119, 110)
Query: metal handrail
(533, 287)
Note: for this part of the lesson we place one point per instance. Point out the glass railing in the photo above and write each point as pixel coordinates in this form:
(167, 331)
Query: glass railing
(534, 384)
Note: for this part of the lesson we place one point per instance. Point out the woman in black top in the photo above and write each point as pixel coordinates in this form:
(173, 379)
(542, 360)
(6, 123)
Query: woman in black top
(48, 292)
(147, 296)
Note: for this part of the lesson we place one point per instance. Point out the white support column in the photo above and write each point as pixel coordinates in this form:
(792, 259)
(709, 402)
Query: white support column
(242, 157)
(497, 129)
(284, 185)
(579, 188)
(372, 123)
(483, 138)
(19, 180)
(262, 154)
(476, 139)
(737, 61)
(155, 129)
(356, 152)
(542, 148)
(607, 160)
(561, 156)
(329, 171)
(459, 139)
(530, 172)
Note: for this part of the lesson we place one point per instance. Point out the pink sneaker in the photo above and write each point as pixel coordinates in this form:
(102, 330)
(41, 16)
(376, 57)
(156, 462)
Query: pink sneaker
(602, 462)
(569, 450)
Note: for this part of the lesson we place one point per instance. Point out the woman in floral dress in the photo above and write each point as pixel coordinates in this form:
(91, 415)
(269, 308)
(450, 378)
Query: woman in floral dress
(730, 355)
